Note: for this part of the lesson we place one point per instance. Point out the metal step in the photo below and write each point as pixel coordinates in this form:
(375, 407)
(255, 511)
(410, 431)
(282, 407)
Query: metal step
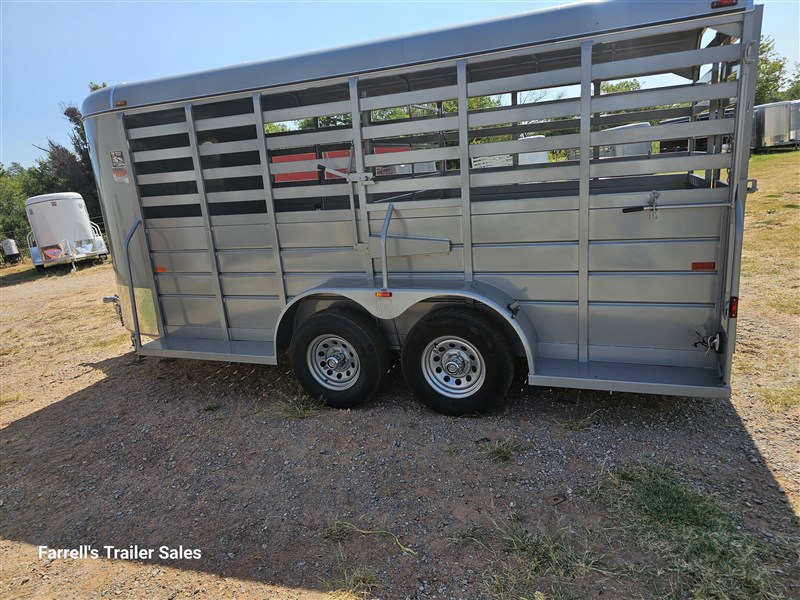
(628, 377)
(200, 349)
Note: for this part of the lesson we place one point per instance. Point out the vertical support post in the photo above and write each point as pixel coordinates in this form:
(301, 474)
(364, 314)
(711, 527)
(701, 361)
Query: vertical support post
(463, 156)
(272, 217)
(738, 185)
(151, 278)
(583, 202)
(201, 192)
(358, 149)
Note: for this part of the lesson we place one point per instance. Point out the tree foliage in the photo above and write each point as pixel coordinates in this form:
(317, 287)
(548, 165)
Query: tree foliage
(771, 72)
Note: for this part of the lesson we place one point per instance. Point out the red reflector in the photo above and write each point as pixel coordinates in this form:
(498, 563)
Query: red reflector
(383, 294)
(704, 266)
(733, 307)
(161, 269)
(724, 3)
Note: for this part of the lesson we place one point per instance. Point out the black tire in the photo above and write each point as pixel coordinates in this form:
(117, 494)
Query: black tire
(354, 342)
(478, 357)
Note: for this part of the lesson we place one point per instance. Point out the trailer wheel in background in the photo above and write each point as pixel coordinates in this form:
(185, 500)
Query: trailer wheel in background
(457, 362)
(339, 356)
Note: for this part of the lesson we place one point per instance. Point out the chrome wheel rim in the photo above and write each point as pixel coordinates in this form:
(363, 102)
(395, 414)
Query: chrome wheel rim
(453, 367)
(333, 362)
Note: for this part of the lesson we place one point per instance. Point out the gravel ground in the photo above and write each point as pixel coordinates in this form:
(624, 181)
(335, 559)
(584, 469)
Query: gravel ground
(98, 448)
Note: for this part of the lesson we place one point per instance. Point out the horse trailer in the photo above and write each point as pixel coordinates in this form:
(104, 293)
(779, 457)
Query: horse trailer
(61, 231)
(257, 208)
(776, 125)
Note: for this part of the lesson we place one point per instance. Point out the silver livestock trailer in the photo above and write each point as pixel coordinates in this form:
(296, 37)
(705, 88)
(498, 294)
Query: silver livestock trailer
(257, 208)
(61, 231)
(776, 125)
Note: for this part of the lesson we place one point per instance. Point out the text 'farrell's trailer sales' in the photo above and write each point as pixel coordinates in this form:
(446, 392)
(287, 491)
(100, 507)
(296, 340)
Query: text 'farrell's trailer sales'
(347, 203)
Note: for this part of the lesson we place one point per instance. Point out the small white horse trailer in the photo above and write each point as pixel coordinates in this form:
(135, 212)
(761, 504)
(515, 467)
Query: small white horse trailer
(618, 273)
(61, 231)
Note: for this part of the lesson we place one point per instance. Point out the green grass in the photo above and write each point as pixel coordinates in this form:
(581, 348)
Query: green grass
(703, 553)
(501, 451)
(781, 398)
(299, 406)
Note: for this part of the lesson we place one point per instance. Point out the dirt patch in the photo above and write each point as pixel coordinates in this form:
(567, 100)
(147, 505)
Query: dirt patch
(287, 500)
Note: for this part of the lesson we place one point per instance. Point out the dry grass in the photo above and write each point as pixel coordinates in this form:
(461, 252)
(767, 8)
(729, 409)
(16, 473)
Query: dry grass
(501, 451)
(781, 399)
(353, 585)
(772, 226)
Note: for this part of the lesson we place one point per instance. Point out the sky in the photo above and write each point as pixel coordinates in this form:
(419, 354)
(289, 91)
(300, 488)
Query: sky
(50, 51)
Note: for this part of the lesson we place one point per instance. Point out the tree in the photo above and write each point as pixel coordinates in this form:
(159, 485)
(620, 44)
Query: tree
(13, 222)
(793, 91)
(629, 85)
(771, 72)
(72, 169)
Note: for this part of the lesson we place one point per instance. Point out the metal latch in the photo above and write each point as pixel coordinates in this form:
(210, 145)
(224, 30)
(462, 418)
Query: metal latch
(365, 178)
(117, 307)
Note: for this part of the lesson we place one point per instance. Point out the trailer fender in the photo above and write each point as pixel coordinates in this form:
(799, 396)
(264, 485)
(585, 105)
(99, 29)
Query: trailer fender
(391, 306)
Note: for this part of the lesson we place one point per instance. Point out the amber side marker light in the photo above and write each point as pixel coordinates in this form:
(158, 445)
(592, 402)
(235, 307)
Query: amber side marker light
(733, 307)
(121, 103)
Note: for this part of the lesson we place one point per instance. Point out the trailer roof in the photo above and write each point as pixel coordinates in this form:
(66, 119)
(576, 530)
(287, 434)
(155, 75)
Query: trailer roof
(50, 197)
(558, 23)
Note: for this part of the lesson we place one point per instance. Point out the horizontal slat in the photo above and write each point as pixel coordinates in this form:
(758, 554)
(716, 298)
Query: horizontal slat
(224, 172)
(170, 200)
(303, 112)
(406, 98)
(672, 255)
(312, 138)
(536, 174)
(224, 122)
(165, 154)
(165, 177)
(660, 165)
(245, 261)
(416, 184)
(241, 196)
(544, 144)
(659, 97)
(310, 191)
(411, 156)
(410, 127)
(664, 63)
(157, 130)
(690, 287)
(532, 81)
(641, 198)
(302, 166)
(545, 110)
(526, 257)
(228, 147)
(177, 238)
(663, 132)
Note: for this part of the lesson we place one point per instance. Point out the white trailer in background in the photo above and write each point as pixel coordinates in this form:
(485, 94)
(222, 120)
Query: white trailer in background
(599, 272)
(61, 231)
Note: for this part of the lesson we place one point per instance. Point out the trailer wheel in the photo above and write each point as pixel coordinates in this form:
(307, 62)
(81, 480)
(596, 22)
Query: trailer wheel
(339, 356)
(457, 362)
